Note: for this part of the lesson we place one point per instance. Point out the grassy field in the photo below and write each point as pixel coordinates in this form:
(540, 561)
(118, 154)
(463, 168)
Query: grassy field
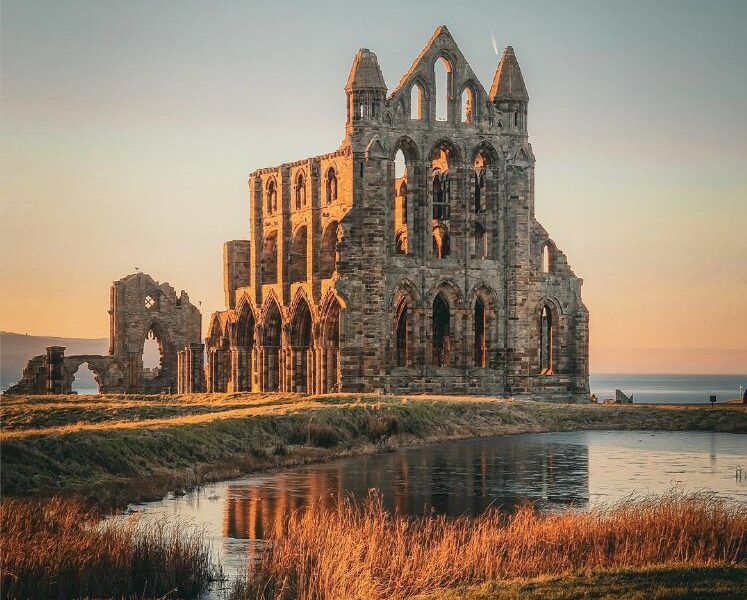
(362, 552)
(125, 448)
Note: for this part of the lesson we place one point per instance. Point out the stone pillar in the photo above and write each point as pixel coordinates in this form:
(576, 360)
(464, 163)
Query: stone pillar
(56, 370)
(191, 369)
(181, 375)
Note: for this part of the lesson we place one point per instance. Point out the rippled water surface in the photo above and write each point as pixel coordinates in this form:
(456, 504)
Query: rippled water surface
(552, 469)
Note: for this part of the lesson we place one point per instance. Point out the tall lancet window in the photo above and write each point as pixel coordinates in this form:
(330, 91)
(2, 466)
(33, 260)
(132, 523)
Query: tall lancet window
(546, 342)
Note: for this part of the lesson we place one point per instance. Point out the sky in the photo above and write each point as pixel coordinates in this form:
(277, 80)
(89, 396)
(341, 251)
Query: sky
(129, 130)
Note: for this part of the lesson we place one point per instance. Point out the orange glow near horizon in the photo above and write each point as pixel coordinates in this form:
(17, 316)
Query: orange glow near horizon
(130, 147)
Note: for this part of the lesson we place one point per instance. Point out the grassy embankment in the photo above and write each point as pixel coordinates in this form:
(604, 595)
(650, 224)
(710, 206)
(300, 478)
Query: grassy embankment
(124, 448)
(58, 549)
(665, 547)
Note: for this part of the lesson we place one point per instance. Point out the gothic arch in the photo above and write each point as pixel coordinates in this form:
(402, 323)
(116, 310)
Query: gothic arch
(452, 291)
(488, 150)
(302, 296)
(406, 287)
(452, 150)
(409, 148)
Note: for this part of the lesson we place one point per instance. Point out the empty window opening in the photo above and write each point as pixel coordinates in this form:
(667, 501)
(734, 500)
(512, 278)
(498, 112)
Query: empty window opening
(301, 341)
(480, 326)
(150, 302)
(417, 102)
(300, 191)
(298, 255)
(480, 201)
(442, 70)
(403, 335)
(272, 340)
(84, 380)
(546, 342)
(546, 258)
(468, 105)
(441, 332)
(516, 119)
(331, 185)
(270, 258)
(331, 375)
(480, 242)
(152, 356)
(441, 196)
(328, 254)
(441, 243)
(400, 165)
(272, 197)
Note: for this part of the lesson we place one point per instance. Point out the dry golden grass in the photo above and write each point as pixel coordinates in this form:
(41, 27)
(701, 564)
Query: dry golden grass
(58, 549)
(364, 553)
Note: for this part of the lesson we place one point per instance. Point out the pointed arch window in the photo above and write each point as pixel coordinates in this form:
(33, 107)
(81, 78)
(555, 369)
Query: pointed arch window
(272, 197)
(417, 102)
(546, 258)
(441, 332)
(442, 77)
(300, 191)
(546, 342)
(481, 338)
(331, 185)
(468, 105)
(441, 196)
(403, 335)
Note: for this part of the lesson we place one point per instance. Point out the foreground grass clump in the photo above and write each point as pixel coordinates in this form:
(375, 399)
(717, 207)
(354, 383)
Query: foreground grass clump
(362, 552)
(58, 549)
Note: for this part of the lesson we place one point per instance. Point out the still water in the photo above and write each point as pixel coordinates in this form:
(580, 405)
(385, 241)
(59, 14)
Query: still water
(554, 470)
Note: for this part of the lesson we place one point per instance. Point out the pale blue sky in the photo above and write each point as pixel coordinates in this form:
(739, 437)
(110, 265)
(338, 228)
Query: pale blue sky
(129, 130)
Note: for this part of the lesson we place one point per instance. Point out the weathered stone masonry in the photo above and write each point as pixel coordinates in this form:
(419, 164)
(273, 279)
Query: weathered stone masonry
(437, 279)
(140, 307)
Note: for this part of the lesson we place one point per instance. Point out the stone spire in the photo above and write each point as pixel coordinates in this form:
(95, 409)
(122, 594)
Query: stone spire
(365, 73)
(508, 84)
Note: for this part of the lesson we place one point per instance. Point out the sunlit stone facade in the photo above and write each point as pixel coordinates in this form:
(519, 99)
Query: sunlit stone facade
(410, 259)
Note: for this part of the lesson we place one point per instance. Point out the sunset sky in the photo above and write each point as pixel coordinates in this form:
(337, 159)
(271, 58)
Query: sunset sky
(129, 130)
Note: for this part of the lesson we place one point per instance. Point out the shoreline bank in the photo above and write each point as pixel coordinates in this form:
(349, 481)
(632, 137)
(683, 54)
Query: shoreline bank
(114, 450)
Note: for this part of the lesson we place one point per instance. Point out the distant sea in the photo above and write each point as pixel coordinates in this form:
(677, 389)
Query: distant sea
(669, 389)
(655, 389)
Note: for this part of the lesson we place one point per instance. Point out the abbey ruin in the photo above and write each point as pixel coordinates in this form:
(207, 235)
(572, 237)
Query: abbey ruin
(409, 260)
(140, 308)
(438, 278)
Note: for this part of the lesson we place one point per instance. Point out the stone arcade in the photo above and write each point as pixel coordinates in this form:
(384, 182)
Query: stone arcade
(438, 278)
(140, 308)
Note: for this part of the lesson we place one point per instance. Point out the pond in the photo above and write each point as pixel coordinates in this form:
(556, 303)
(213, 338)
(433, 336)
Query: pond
(553, 470)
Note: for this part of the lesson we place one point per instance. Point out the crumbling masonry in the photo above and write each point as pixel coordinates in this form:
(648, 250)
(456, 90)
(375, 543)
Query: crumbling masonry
(140, 308)
(438, 278)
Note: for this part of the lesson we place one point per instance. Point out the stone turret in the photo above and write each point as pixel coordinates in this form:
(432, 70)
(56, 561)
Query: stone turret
(365, 89)
(509, 93)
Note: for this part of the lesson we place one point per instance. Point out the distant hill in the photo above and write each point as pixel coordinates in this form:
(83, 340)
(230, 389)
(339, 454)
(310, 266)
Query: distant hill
(16, 349)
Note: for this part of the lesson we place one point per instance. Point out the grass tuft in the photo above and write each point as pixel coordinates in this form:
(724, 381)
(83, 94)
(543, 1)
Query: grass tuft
(362, 552)
(59, 549)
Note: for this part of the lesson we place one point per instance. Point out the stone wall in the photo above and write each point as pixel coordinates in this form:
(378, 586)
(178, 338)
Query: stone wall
(140, 307)
(356, 285)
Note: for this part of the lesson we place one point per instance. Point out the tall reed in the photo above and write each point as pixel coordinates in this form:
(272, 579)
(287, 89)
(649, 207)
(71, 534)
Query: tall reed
(59, 549)
(361, 552)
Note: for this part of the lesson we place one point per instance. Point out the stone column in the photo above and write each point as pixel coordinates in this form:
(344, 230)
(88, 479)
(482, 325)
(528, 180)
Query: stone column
(55, 370)
(193, 368)
(241, 369)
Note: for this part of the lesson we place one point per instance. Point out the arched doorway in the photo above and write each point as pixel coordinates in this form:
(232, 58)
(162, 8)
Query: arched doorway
(242, 353)
(331, 379)
(301, 341)
(158, 361)
(272, 340)
(85, 380)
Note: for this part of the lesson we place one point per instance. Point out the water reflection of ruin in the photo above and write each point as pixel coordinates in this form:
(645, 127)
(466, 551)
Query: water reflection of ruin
(452, 479)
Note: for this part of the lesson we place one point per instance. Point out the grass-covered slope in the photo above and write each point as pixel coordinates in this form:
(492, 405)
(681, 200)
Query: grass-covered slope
(147, 445)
